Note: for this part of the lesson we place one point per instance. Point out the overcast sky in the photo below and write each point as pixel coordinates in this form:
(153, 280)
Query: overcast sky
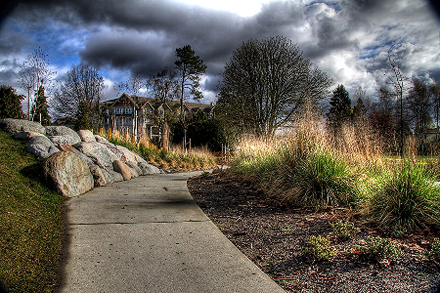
(348, 39)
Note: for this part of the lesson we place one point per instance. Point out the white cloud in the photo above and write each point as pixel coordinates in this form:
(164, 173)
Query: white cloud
(244, 8)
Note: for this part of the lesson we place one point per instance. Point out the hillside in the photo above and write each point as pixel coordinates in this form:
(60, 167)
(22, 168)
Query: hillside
(31, 227)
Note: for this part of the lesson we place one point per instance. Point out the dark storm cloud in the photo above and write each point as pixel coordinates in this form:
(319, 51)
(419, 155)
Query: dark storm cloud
(346, 38)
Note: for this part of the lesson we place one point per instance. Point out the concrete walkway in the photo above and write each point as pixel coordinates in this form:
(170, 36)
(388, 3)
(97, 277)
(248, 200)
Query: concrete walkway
(148, 235)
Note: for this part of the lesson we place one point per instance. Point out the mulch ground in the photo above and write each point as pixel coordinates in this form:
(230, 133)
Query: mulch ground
(274, 235)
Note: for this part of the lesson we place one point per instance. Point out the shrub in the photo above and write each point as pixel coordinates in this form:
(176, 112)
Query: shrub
(319, 248)
(344, 230)
(435, 250)
(377, 248)
(405, 200)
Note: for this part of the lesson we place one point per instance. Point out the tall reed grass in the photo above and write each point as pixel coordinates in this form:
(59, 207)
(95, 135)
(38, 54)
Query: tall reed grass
(174, 159)
(311, 166)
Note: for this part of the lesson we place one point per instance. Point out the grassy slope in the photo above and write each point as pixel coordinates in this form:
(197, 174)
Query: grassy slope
(31, 228)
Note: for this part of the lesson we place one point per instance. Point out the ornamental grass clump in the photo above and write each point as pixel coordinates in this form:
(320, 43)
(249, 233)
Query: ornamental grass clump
(404, 200)
(318, 178)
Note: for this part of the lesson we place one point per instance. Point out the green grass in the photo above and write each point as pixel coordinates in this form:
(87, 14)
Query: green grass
(31, 226)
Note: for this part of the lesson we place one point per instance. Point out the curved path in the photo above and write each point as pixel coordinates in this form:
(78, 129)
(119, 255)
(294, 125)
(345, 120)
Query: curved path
(148, 235)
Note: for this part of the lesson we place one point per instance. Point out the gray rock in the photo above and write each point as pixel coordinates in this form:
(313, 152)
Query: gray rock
(98, 175)
(63, 139)
(19, 125)
(134, 173)
(26, 135)
(148, 169)
(138, 171)
(86, 136)
(61, 130)
(70, 175)
(100, 139)
(41, 147)
(111, 176)
(62, 135)
(124, 154)
(99, 153)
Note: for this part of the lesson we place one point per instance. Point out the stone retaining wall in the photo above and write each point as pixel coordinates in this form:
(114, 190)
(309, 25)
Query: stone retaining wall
(77, 161)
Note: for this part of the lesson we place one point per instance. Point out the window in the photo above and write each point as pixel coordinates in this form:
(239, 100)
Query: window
(119, 110)
(128, 120)
(128, 111)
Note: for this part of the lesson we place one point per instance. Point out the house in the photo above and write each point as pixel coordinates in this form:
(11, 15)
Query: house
(143, 116)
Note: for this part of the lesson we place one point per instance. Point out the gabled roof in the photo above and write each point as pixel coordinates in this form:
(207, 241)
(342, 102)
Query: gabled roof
(125, 99)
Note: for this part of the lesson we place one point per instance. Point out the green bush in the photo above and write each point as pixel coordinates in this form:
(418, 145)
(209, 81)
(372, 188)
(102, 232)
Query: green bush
(344, 230)
(435, 250)
(405, 200)
(377, 248)
(319, 248)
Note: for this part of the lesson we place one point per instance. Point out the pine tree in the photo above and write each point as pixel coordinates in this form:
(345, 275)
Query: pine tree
(39, 111)
(10, 103)
(341, 110)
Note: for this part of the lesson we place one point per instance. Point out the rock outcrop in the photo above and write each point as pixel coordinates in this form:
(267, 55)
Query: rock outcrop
(76, 162)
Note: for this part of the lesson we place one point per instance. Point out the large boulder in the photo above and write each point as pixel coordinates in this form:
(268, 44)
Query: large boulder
(122, 169)
(62, 135)
(41, 147)
(70, 175)
(111, 176)
(99, 153)
(148, 169)
(123, 154)
(101, 139)
(136, 171)
(98, 175)
(19, 125)
(26, 135)
(86, 136)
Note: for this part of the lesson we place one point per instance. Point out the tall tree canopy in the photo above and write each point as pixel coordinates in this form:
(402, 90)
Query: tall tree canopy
(80, 97)
(265, 82)
(419, 107)
(189, 68)
(10, 103)
(341, 110)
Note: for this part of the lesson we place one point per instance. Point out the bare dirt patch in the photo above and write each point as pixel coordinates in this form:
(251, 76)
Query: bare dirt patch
(273, 236)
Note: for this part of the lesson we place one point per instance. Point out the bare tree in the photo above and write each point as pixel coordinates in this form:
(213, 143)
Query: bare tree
(36, 73)
(400, 84)
(265, 82)
(133, 87)
(80, 96)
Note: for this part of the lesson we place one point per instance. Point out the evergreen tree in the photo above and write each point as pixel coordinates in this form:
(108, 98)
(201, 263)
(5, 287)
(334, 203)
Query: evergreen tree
(10, 103)
(341, 110)
(189, 68)
(39, 111)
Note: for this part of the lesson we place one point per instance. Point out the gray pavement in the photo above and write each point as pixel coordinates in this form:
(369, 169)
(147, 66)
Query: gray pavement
(148, 235)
